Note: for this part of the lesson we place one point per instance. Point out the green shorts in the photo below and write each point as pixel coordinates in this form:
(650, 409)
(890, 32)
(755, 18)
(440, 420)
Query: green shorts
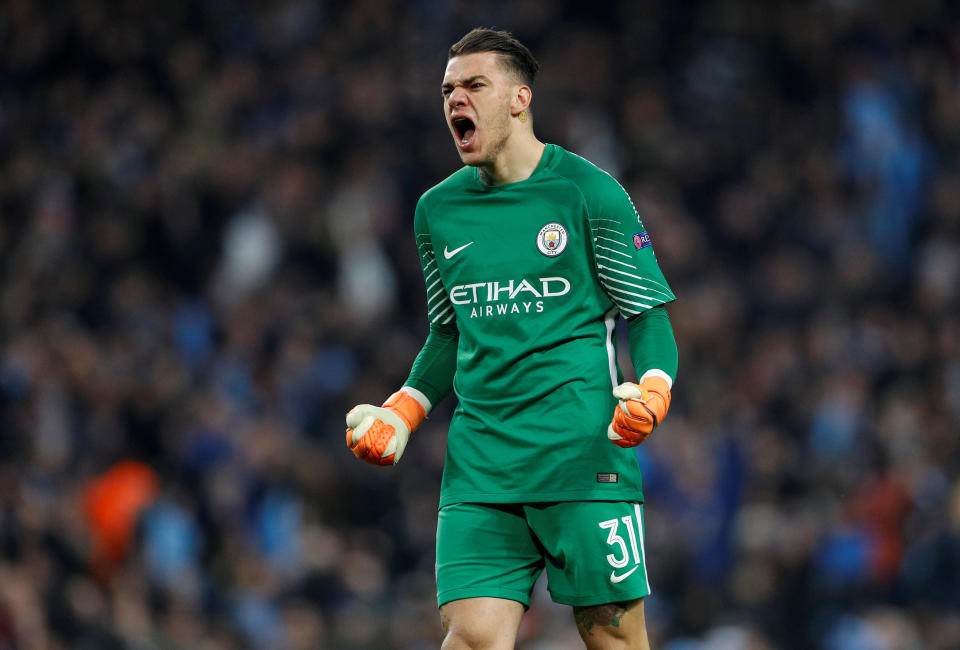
(592, 550)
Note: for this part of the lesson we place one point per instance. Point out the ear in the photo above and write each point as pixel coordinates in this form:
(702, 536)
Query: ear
(521, 100)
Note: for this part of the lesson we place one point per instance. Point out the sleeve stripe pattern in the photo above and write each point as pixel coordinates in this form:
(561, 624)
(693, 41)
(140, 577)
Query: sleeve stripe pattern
(618, 243)
(439, 301)
(617, 232)
(602, 228)
(649, 295)
(608, 220)
(620, 301)
(448, 318)
(630, 284)
(610, 259)
(615, 252)
(630, 293)
(439, 293)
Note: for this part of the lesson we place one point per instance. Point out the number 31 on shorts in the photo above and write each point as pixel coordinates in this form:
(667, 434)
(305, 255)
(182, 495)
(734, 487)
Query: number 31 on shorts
(625, 551)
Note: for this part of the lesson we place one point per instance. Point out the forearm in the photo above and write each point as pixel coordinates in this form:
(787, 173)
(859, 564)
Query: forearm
(433, 370)
(379, 434)
(652, 344)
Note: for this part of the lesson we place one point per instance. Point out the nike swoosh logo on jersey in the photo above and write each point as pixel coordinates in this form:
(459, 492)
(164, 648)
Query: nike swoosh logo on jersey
(614, 578)
(448, 253)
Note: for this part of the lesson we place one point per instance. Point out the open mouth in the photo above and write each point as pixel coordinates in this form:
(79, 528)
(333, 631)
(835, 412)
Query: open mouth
(465, 129)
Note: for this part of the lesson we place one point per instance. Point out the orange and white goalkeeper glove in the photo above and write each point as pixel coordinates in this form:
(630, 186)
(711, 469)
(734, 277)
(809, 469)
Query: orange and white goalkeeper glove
(379, 434)
(642, 407)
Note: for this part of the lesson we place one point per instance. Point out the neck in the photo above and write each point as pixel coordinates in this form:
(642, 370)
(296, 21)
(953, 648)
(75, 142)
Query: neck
(520, 155)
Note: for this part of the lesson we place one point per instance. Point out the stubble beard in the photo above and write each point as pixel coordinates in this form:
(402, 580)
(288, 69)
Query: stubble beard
(500, 133)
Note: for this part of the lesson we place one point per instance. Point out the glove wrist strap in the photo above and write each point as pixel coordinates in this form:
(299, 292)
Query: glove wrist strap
(407, 408)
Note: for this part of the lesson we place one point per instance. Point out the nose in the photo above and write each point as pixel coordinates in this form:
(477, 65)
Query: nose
(457, 98)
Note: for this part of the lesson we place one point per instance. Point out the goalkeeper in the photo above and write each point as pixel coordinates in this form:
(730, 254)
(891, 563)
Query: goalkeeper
(529, 254)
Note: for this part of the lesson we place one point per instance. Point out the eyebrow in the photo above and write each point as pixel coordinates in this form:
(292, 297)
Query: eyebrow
(466, 82)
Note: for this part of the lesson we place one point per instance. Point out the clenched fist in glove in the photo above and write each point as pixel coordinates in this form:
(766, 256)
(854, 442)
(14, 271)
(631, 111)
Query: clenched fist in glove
(642, 407)
(378, 434)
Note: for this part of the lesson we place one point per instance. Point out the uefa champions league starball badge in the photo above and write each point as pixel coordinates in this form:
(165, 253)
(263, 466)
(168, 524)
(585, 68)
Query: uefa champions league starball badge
(552, 239)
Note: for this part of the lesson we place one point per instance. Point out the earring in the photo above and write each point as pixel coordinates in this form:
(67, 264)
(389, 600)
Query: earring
(522, 116)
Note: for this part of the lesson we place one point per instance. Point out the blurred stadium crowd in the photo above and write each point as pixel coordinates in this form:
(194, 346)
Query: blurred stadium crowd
(207, 258)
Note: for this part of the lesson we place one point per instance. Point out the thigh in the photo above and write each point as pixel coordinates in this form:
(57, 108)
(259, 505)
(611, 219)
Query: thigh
(594, 550)
(485, 550)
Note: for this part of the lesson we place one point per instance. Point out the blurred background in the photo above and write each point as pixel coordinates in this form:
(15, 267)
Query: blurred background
(206, 259)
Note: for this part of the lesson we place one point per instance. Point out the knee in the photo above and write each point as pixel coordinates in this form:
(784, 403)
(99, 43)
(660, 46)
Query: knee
(604, 641)
(464, 640)
(464, 636)
(480, 624)
(615, 639)
(615, 626)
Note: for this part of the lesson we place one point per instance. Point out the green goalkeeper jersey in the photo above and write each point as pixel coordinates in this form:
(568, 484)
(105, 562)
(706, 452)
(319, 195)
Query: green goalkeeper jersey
(526, 280)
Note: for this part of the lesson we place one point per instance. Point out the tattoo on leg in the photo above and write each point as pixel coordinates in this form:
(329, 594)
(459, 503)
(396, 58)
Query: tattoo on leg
(609, 615)
(444, 623)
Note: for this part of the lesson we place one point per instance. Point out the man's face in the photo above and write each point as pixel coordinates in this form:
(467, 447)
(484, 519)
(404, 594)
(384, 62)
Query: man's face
(476, 103)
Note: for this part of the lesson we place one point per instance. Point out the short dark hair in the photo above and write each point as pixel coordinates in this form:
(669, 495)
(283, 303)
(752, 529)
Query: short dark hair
(513, 53)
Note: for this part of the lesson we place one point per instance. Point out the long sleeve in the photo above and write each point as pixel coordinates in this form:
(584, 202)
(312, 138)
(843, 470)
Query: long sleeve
(436, 364)
(630, 275)
(439, 308)
(652, 345)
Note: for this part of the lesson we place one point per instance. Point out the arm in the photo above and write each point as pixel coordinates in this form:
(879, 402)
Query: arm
(379, 434)
(626, 265)
(628, 271)
(433, 370)
(644, 405)
(653, 348)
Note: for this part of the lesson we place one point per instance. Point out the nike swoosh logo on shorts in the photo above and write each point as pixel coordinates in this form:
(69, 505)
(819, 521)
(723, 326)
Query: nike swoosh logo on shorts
(448, 253)
(614, 578)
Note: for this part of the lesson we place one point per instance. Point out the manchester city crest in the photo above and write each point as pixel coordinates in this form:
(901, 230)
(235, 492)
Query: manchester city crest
(552, 239)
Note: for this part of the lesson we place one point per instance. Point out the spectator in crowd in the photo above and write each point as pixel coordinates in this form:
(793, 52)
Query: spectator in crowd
(203, 206)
